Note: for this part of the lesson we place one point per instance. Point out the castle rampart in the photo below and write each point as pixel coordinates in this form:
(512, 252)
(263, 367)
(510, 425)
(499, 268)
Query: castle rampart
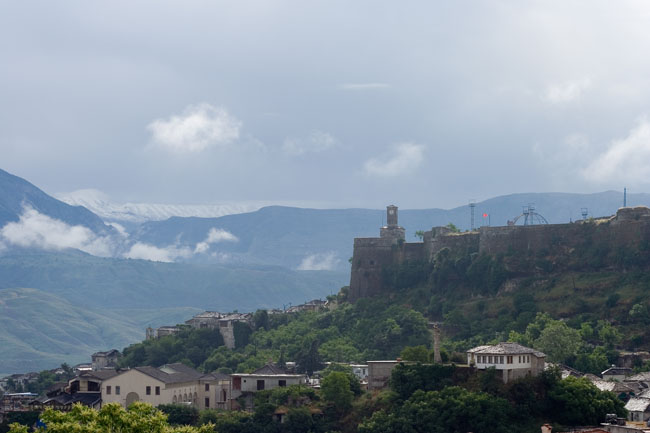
(628, 229)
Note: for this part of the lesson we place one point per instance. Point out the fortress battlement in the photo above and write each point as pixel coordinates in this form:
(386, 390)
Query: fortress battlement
(628, 229)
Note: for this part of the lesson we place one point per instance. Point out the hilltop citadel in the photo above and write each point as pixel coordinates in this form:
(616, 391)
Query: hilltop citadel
(615, 237)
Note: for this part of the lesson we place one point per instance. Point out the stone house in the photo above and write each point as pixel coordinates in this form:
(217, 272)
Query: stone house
(107, 359)
(379, 373)
(638, 409)
(224, 322)
(512, 359)
(243, 386)
(172, 383)
(617, 373)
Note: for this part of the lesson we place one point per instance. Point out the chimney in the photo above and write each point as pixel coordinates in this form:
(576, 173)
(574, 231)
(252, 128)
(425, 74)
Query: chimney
(547, 428)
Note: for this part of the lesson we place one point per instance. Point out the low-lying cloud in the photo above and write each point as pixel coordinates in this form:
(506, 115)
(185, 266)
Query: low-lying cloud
(153, 253)
(36, 230)
(403, 158)
(625, 161)
(197, 128)
(319, 262)
(214, 236)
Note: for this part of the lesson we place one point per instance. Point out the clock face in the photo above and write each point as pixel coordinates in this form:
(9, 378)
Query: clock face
(391, 211)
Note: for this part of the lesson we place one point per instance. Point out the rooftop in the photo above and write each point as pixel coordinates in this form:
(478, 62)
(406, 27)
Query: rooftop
(506, 348)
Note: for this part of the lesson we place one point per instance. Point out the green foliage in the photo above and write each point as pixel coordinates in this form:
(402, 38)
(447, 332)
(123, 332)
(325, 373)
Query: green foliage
(139, 418)
(21, 420)
(180, 414)
(576, 401)
(335, 389)
(410, 273)
(453, 228)
(451, 410)
(407, 378)
(415, 354)
(242, 334)
(558, 342)
(355, 384)
(191, 344)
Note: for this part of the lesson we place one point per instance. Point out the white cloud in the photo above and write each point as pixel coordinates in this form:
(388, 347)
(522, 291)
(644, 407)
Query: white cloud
(199, 127)
(36, 230)
(364, 86)
(566, 92)
(214, 236)
(403, 158)
(319, 262)
(626, 161)
(318, 141)
(167, 254)
(120, 229)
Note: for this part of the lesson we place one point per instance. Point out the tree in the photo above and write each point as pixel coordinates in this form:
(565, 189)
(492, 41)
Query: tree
(451, 410)
(451, 226)
(308, 359)
(335, 388)
(180, 414)
(415, 354)
(558, 342)
(139, 418)
(261, 320)
(355, 384)
(576, 401)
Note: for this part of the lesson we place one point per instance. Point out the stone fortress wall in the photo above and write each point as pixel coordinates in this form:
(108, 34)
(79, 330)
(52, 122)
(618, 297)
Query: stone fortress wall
(627, 229)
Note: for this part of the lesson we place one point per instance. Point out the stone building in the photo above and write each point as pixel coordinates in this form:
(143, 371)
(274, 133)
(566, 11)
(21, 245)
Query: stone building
(627, 229)
(107, 359)
(512, 359)
(171, 383)
(244, 386)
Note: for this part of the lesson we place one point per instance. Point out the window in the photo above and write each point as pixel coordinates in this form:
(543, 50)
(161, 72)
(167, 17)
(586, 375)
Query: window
(282, 383)
(157, 390)
(108, 389)
(117, 390)
(207, 387)
(490, 359)
(207, 402)
(148, 392)
(260, 385)
(509, 359)
(500, 359)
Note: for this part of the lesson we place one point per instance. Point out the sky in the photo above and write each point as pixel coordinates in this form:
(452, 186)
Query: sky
(325, 103)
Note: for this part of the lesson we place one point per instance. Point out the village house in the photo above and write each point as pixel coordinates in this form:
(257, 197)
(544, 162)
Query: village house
(638, 409)
(224, 322)
(617, 373)
(172, 383)
(107, 359)
(313, 305)
(512, 359)
(16, 401)
(244, 386)
(379, 373)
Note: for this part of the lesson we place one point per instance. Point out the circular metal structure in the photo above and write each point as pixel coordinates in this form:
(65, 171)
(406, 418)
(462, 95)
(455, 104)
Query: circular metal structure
(529, 217)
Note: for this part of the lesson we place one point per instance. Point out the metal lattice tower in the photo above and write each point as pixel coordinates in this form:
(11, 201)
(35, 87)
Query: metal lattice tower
(529, 216)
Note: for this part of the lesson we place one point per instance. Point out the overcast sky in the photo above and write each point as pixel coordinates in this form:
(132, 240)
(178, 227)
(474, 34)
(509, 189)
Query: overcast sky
(327, 103)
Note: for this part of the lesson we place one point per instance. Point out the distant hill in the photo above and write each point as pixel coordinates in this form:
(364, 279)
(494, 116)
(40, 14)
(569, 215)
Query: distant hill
(39, 330)
(295, 237)
(16, 193)
(79, 304)
(123, 283)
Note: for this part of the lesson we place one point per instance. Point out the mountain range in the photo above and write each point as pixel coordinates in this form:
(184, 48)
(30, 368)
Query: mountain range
(90, 269)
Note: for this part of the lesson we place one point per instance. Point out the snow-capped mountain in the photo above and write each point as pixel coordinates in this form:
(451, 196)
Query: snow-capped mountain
(99, 203)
